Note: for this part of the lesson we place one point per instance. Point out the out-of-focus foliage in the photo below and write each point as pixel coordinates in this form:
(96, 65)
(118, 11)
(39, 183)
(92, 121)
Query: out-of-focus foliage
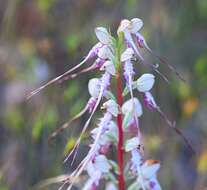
(40, 39)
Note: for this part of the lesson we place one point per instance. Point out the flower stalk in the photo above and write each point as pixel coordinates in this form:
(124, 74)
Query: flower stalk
(120, 154)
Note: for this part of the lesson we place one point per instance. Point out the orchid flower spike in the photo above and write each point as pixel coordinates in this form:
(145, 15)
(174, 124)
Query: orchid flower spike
(114, 58)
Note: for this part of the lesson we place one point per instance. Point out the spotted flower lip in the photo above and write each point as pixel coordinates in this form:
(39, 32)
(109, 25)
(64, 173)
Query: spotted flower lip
(109, 67)
(112, 107)
(132, 144)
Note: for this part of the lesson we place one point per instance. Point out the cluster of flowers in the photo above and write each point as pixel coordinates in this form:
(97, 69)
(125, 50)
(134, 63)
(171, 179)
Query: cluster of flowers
(111, 54)
(105, 135)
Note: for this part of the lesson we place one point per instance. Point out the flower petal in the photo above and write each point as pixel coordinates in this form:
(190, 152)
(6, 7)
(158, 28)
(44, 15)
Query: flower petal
(135, 25)
(111, 186)
(123, 25)
(150, 168)
(132, 143)
(127, 54)
(93, 87)
(101, 163)
(105, 53)
(103, 36)
(109, 67)
(145, 82)
(112, 107)
(128, 107)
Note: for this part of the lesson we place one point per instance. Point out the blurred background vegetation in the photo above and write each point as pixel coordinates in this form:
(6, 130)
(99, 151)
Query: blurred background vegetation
(40, 39)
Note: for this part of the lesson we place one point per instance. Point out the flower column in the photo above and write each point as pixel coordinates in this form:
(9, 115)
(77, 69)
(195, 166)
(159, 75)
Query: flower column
(121, 182)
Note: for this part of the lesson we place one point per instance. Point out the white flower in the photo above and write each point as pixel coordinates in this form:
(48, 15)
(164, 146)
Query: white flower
(112, 107)
(94, 132)
(135, 25)
(136, 158)
(123, 25)
(148, 180)
(149, 172)
(111, 186)
(90, 169)
(127, 54)
(132, 26)
(105, 53)
(132, 143)
(94, 87)
(150, 168)
(112, 133)
(145, 82)
(101, 163)
(103, 36)
(128, 107)
(109, 67)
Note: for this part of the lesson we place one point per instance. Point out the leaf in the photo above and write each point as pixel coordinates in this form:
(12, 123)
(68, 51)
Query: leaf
(134, 186)
(126, 120)
(114, 166)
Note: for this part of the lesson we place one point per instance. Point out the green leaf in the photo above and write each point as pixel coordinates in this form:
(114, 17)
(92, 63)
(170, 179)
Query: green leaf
(114, 166)
(126, 120)
(126, 91)
(109, 95)
(134, 186)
